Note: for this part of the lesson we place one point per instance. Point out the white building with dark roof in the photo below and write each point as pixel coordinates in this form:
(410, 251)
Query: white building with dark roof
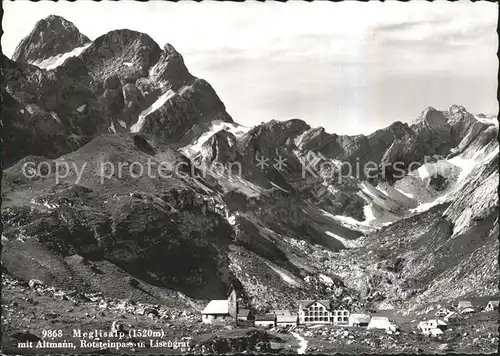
(223, 310)
(382, 322)
(359, 320)
(433, 327)
(286, 320)
(265, 320)
(314, 312)
(215, 310)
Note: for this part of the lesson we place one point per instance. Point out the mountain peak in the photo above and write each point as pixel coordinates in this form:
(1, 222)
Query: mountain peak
(428, 111)
(169, 49)
(431, 116)
(55, 20)
(51, 36)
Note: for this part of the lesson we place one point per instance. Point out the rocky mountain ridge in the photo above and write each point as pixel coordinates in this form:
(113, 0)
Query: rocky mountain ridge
(305, 228)
(51, 36)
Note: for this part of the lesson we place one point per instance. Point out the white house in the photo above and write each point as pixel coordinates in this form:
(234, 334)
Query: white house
(285, 320)
(452, 316)
(464, 304)
(340, 315)
(359, 320)
(492, 305)
(322, 312)
(442, 312)
(223, 310)
(281, 312)
(432, 327)
(434, 332)
(216, 310)
(244, 314)
(465, 307)
(314, 312)
(266, 320)
(382, 322)
(467, 310)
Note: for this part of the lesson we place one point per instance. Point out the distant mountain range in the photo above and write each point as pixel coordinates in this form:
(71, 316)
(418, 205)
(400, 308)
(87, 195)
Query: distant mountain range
(400, 218)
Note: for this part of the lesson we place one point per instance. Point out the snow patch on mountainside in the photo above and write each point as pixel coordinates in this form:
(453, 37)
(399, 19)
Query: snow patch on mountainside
(370, 216)
(383, 203)
(217, 125)
(326, 280)
(285, 277)
(423, 172)
(467, 166)
(240, 185)
(56, 61)
(162, 99)
(300, 138)
(426, 206)
(490, 120)
(112, 127)
(278, 187)
(55, 116)
(350, 223)
(347, 243)
(404, 193)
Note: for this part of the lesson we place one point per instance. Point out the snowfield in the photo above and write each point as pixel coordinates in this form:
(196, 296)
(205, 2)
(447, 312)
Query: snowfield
(347, 243)
(285, 277)
(55, 116)
(112, 128)
(490, 120)
(370, 216)
(56, 61)
(162, 99)
(350, 223)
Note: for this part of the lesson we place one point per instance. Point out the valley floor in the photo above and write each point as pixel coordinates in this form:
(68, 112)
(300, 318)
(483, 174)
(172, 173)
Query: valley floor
(30, 313)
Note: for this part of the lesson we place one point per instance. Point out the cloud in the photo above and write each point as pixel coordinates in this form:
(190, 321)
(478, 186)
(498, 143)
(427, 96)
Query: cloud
(405, 26)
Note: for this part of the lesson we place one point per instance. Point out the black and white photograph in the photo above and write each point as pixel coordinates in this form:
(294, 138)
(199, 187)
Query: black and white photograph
(259, 177)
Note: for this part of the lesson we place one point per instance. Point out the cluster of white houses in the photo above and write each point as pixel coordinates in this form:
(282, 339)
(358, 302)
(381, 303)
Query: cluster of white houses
(314, 312)
(311, 312)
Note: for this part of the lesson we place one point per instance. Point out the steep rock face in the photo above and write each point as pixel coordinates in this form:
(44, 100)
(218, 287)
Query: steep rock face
(221, 147)
(477, 199)
(418, 262)
(196, 103)
(30, 129)
(274, 135)
(121, 81)
(170, 69)
(125, 54)
(104, 219)
(50, 37)
(147, 225)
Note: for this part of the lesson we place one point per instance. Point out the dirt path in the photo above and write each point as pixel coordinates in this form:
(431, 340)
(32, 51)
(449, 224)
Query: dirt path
(302, 342)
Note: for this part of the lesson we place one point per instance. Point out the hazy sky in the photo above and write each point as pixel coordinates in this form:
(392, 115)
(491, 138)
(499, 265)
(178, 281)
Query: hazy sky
(350, 67)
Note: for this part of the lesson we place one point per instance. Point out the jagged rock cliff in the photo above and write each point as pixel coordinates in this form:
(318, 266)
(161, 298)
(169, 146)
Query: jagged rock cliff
(279, 210)
(51, 37)
(120, 82)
